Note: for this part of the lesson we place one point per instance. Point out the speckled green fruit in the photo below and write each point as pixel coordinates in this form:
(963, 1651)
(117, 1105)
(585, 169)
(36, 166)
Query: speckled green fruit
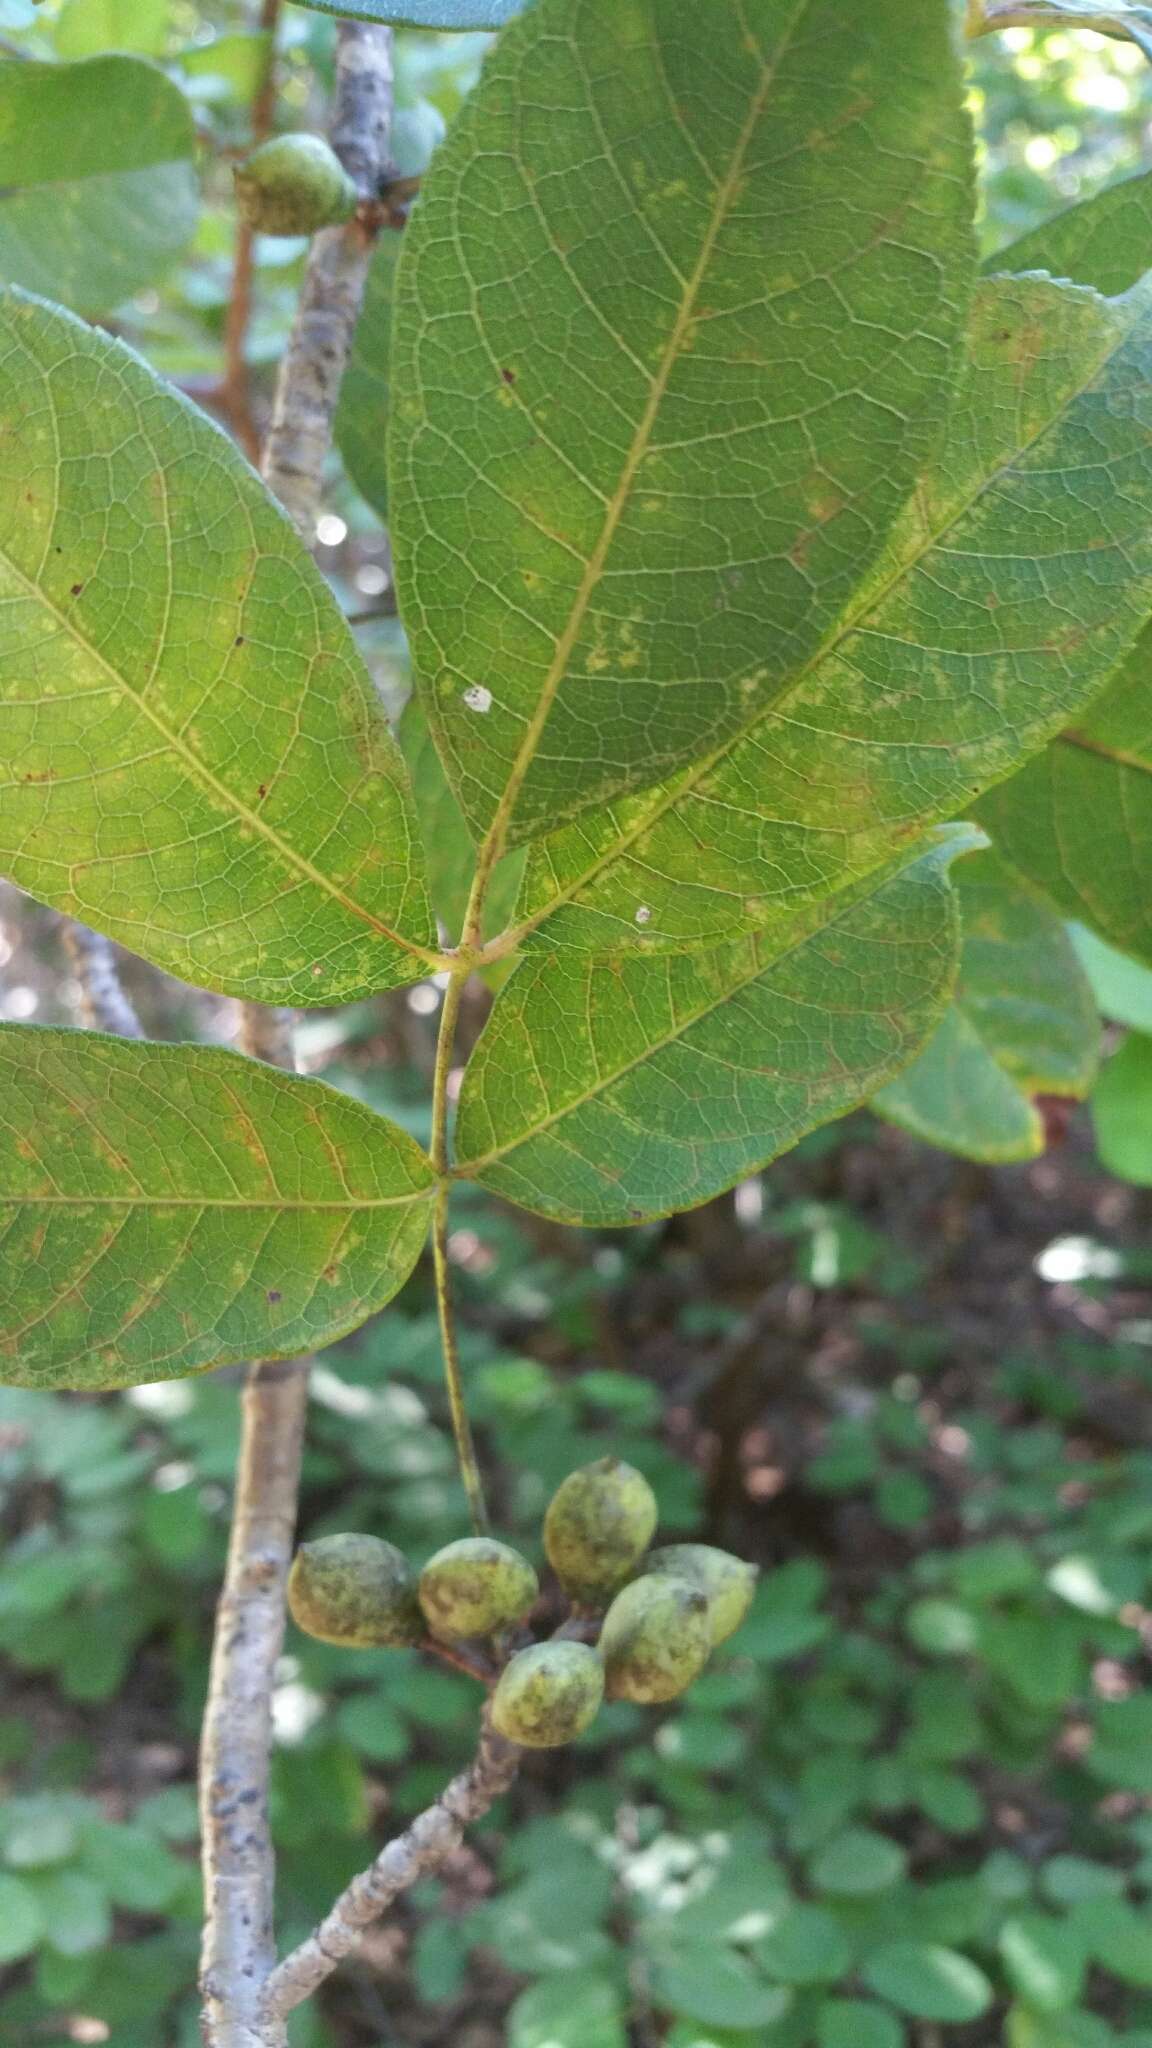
(598, 1526)
(293, 185)
(357, 1591)
(547, 1695)
(474, 1587)
(656, 1639)
(726, 1581)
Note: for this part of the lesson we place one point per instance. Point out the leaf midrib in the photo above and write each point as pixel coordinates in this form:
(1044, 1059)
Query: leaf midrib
(497, 834)
(875, 598)
(233, 803)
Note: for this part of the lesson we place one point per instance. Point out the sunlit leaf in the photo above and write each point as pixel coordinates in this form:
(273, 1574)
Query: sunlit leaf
(659, 386)
(169, 1208)
(1022, 1023)
(195, 757)
(90, 28)
(98, 190)
(608, 1088)
(1017, 578)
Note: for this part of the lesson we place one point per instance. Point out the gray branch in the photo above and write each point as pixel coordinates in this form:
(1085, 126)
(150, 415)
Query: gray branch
(103, 1003)
(333, 289)
(421, 1849)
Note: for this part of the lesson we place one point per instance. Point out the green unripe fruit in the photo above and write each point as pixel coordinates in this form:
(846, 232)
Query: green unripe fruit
(548, 1695)
(598, 1526)
(357, 1591)
(726, 1581)
(474, 1587)
(656, 1639)
(293, 185)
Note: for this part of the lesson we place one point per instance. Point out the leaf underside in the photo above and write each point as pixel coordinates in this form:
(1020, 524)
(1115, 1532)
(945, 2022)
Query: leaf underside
(1016, 578)
(610, 1089)
(194, 757)
(1105, 241)
(164, 1209)
(1022, 1023)
(435, 14)
(677, 320)
(98, 186)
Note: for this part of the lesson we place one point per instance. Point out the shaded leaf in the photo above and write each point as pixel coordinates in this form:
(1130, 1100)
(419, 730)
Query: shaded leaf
(1018, 576)
(1045, 1961)
(196, 758)
(610, 1088)
(1077, 821)
(571, 2009)
(1122, 1111)
(362, 412)
(449, 847)
(713, 1985)
(854, 2023)
(1104, 241)
(1022, 1023)
(21, 1918)
(170, 1208)
(856, 1863)
(807, 1945)
(606, 570)
(98, 190)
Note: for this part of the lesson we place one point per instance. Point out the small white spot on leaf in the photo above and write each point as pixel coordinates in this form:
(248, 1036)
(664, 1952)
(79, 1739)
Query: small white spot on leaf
(477, 698)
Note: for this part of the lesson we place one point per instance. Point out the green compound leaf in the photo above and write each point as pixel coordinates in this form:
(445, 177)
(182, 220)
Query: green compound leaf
(166, 1208)
(1023, 1023)
(195, 757)
(1077, 821)
(928, 1981)
(1104, 241)
(439, 14)
(747, 233)
(609, 1089)
(1015, 581)
(98, 189)
(1044, 1959)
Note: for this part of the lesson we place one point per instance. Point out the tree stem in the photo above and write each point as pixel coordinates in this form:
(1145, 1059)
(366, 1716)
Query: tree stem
(236, 393)
(333, 289)
(422, 1848)
(238, 1949)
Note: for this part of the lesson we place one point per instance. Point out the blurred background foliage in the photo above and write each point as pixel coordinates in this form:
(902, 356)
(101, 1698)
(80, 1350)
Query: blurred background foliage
(912, 1804)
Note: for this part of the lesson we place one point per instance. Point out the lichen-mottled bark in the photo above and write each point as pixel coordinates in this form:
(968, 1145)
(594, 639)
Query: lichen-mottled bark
(309, 385)
(103, 1003)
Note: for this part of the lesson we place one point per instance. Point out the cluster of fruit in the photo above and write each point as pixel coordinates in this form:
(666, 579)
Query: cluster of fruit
(641, 1626)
